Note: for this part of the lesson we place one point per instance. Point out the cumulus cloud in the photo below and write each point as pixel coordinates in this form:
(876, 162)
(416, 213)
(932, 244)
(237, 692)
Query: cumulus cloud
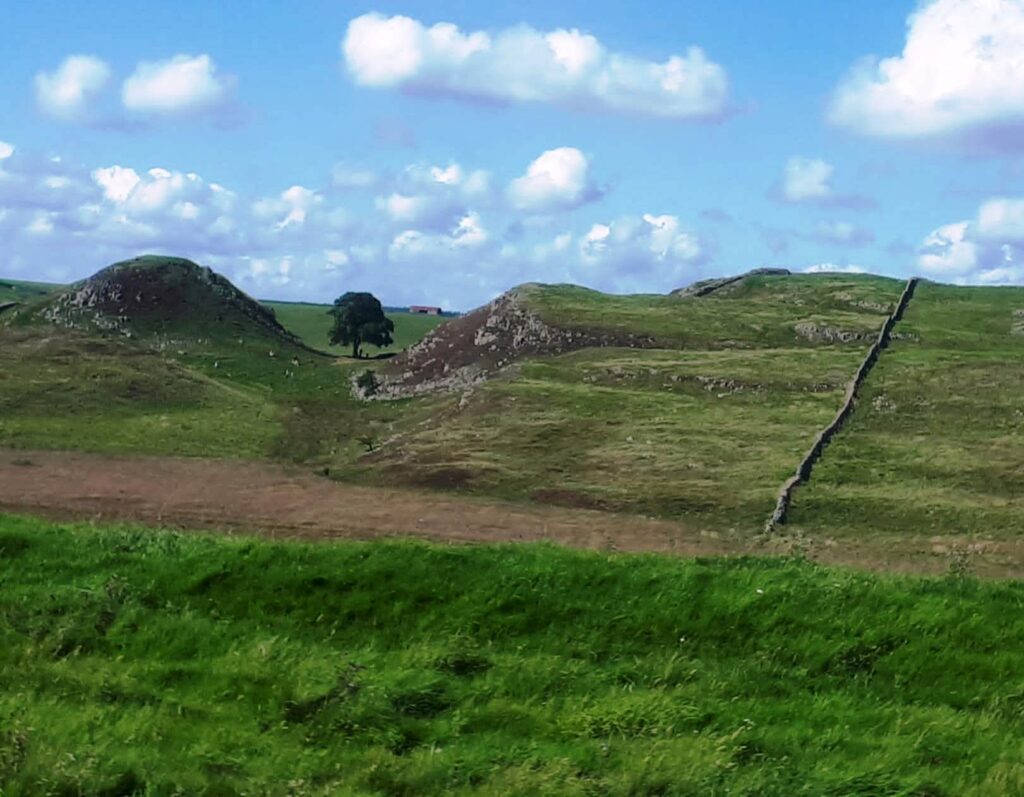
(841, 233)
(68, 92)
(564, 67)
(289, 209)
(61, 221)
(961, 73)
(183, 84)
(468, 233)
(948, 250)
(557, 180)
(634, 250)
(1002, 219)
(6, 150)
(809, 181)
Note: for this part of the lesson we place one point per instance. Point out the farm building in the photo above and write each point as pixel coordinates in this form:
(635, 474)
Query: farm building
(424, 310)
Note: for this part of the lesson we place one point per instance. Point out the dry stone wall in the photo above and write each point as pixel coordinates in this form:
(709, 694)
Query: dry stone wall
(824, 437)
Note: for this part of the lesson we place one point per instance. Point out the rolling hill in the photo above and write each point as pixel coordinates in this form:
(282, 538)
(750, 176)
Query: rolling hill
(695, 405)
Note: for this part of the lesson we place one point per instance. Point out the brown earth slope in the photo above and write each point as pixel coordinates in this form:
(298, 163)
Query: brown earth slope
(277, 501)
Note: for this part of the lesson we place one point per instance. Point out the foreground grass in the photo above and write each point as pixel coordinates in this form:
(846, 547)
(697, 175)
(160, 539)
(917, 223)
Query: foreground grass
(139, 662)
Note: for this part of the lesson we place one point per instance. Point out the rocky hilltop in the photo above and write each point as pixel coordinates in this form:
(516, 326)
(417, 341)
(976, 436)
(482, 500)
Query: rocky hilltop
(158, 296)
(473, 347)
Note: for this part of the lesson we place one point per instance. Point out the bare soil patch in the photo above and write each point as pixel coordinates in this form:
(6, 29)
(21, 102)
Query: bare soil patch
(279, 501)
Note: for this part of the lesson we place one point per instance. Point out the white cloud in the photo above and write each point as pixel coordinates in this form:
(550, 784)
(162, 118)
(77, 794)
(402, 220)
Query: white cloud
(1002, 219)
(180, 85)
(6, 150)
(961, 71)
(948, 250)
(630, 246)
(564, 67)
(556, 180)
(807, 179)
(117, 182)
(401, 207)
(66, 93)
(468, 233)
(842, 233)
(289, 209)
(305, 244)
(41, 224)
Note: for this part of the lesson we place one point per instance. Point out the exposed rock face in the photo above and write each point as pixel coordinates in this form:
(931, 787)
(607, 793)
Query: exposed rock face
(470, 349)
(159, 295)
(819, 333)
(704, 287)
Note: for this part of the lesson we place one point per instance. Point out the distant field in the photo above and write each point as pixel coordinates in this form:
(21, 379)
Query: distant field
(936, 445)
(311, 323)
(140, 662)
(18, 291)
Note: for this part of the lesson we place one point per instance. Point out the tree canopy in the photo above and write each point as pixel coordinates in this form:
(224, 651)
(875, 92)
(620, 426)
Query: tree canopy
(358, 319)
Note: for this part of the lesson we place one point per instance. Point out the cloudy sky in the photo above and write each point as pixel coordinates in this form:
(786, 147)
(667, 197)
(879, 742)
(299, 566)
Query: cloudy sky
(440, 152)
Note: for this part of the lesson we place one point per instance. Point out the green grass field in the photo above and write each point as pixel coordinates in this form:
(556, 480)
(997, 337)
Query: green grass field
(705, 435)
(141, 662)
(936, 445)
(20, 291)
(705, 427)
(311, 323)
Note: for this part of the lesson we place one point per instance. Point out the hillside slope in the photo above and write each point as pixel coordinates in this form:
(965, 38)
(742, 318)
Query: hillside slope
(755, 311)
(168, 298)
(936, 445)
(694, 407)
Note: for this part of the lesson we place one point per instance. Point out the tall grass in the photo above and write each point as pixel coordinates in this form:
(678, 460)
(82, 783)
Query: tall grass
(140, 662)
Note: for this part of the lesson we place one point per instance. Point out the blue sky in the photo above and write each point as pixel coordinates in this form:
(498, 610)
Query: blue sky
(442, 152)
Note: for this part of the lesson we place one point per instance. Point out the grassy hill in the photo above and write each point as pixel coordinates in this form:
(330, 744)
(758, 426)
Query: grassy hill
(936, 446)
(685, 407)
(702, 419)
(140, 662)
(159, 355)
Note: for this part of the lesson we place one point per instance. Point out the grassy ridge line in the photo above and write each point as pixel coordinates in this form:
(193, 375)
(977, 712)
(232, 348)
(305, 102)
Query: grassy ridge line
(134, 661)
(824, 437)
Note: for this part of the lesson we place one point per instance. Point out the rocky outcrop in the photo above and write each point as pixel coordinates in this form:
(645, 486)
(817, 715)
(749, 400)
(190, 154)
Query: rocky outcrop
(154, 295)
(705, 287)
(824, 437)
(822, 333)
(467, 350)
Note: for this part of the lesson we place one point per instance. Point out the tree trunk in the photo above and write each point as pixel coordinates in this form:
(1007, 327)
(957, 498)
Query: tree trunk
(355, 348)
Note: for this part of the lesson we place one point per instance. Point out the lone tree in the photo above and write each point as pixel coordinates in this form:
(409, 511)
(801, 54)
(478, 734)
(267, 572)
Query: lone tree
(359, 319)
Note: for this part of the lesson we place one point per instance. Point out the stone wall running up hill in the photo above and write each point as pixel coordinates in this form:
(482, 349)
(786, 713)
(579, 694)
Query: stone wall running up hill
(824, 437)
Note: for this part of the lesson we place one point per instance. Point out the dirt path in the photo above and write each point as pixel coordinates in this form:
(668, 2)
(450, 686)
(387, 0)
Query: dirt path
(278, 501)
